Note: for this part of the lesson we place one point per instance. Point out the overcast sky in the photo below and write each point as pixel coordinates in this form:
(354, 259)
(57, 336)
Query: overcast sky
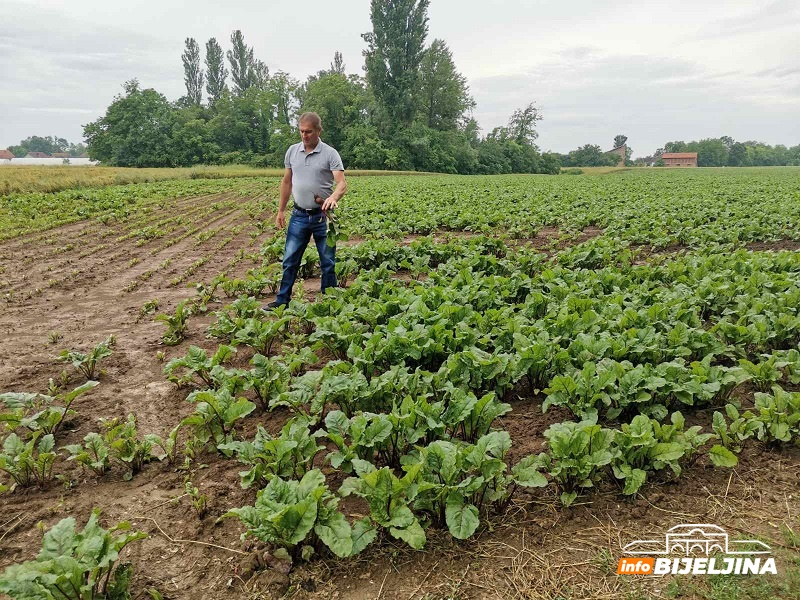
(655, 71)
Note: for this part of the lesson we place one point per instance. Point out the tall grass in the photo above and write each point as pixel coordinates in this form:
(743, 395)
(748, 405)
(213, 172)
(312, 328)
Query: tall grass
(29, 178)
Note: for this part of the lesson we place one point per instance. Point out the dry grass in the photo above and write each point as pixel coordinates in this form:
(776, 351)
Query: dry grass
(35, 178)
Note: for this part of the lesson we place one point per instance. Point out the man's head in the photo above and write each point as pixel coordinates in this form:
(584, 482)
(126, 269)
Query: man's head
(310, 128)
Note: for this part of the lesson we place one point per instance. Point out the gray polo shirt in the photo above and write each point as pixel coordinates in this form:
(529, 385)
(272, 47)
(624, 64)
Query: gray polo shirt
(312, 173)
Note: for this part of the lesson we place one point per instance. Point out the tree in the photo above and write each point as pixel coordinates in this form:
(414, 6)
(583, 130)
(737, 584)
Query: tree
(339, 100)
(394, 51)
(591, 155)
(242, 64)
(215, 70)
(260, 74)
(136, 130)
(283, 88)
(337, 66)
(49, 145)
(522, 124)
(443, 92)
(76, 150)
(675, 147)
(244, 123)
(711, 152)
(193, 75)
(619, 140)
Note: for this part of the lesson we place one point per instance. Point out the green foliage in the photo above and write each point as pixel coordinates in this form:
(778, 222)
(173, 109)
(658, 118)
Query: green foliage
(292, 514)
(469, 417)
(123, 444)
(135, 130)
(199, 501)
(289, 455)
(731, 436)
(590, 155)
(460, 481)
(646, 446)
(75, 565)
(87, 363)
(261, 335)
(176, 324)
(390, 499)
(775, 418)
(196, 363)
(395, 48)
(29, 463)
(40, 412)
(576, 455)
(269, 377)
(216, 73)
(215, 415)
(443, 92)
(725, 151)
(93, 454)
(167, 446)
(193, 76)
(765, 373)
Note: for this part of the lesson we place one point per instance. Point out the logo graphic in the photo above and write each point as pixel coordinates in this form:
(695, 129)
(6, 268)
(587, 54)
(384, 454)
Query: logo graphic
(696, 542)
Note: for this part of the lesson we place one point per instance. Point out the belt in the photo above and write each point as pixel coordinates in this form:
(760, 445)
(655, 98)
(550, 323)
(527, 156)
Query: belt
(307, 211)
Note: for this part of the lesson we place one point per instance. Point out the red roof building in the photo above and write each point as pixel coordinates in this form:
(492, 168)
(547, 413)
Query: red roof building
(679, 159)
(37, 155)
(6, 155)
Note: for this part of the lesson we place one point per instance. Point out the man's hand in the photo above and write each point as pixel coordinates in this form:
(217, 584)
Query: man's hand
(280, 221)
(329, 203)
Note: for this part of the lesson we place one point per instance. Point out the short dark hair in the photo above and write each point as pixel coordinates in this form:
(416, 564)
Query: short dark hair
(312, 119)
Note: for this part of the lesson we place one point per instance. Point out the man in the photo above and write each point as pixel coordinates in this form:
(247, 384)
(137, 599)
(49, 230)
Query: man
(312, 167)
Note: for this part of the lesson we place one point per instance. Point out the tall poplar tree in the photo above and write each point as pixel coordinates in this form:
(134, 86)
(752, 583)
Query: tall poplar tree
(216, 73)
(394, 51)
(242, 64)
(337, 66)
(443, 95)
(193, 75)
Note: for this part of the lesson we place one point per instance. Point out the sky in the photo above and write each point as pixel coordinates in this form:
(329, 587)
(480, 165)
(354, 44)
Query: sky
(655, 71)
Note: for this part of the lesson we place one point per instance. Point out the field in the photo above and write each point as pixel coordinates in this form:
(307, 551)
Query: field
(24, 179)
(519, 376)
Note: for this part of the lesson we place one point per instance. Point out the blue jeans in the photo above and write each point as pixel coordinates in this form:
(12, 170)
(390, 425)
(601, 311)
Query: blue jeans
(301, 227)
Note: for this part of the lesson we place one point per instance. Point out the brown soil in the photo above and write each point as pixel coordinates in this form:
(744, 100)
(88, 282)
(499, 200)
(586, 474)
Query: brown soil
(774, 246)
(535, 550)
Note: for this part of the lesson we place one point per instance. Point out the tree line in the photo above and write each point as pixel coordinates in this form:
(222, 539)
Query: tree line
(410, 111)
(727, 152)
(47, 144)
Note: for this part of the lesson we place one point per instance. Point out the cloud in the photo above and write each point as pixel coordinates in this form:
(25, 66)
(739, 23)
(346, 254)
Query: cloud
(56, 109)
(652, 99)
(776, 15)
(652, 71)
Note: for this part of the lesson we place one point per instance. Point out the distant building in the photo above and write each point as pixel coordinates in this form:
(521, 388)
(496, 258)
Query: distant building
(620, 151)
(679, 159)
(6, 155)
(37, 155)
(60, 155)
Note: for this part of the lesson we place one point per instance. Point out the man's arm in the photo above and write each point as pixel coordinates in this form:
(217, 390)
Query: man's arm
(341, 189)
(286, 191)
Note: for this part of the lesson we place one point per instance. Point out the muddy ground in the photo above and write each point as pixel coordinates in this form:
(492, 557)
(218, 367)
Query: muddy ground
(74, 286)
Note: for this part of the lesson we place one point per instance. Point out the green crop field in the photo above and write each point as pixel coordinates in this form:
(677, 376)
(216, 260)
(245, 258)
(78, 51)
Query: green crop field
(518, 376)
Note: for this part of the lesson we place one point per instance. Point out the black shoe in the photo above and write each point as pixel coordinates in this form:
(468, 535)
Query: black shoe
(272, 305)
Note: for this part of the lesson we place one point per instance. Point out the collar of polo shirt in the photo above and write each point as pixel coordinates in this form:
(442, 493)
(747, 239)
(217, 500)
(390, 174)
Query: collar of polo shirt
(316, 148)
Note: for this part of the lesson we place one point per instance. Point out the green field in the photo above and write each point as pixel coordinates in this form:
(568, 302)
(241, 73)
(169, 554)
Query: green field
(578, 359)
